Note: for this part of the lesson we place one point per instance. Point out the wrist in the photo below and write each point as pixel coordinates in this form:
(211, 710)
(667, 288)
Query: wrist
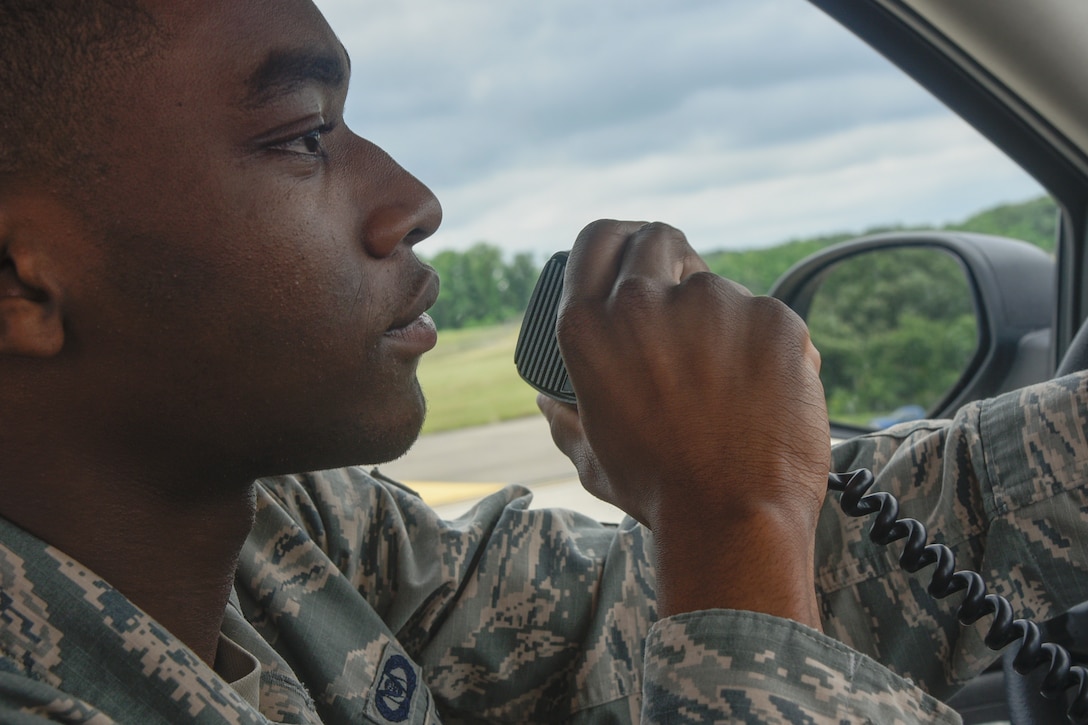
(761, 561)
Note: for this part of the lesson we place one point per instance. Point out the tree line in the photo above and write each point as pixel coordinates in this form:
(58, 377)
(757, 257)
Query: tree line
(480, 286)
(1033, 221)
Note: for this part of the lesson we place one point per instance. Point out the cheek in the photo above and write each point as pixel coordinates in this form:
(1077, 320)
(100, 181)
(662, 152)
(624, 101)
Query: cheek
(232, 266)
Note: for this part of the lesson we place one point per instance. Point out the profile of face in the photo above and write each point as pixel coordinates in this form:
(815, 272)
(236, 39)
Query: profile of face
(251, 294)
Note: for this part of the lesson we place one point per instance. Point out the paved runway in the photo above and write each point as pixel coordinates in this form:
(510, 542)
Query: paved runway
(452, 470)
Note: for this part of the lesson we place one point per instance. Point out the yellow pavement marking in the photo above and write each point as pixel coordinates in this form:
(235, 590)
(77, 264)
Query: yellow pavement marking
(440, 493)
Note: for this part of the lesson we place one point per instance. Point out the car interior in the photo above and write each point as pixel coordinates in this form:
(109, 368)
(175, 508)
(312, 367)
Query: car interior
(1013, 71)
(1010, 69)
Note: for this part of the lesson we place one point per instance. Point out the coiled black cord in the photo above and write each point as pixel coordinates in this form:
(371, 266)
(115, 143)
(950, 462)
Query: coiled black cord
(888, 527)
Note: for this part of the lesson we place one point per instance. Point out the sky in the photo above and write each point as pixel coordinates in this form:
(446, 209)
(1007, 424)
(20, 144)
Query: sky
(745, 123)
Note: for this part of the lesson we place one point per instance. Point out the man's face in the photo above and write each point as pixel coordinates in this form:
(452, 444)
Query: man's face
(253, 297)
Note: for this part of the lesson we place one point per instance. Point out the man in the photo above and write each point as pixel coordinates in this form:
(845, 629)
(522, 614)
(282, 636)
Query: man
(206, 278)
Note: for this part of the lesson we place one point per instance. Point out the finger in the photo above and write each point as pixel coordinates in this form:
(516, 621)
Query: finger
(566, 429)
(660, 253)
(564, 423)
(595, 260)
(813, 356)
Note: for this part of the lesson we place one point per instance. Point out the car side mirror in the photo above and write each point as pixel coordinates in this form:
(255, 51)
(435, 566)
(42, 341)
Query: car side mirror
(912, 325)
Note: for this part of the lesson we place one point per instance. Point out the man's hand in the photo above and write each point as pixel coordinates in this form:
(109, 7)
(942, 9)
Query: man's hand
(700, 413)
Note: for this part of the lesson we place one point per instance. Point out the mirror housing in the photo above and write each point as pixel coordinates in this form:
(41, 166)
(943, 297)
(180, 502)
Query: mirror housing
(1012, 284)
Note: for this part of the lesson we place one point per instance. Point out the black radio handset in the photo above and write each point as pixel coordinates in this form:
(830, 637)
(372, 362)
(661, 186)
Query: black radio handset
(537, 353)
(540, 363)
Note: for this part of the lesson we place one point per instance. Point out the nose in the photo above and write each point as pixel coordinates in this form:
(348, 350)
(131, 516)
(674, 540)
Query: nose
(400, 209)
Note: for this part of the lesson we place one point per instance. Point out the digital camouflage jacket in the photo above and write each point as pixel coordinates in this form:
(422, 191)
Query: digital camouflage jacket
(355, 603)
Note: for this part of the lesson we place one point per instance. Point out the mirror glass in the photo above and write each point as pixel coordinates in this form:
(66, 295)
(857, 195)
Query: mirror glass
(896, 329)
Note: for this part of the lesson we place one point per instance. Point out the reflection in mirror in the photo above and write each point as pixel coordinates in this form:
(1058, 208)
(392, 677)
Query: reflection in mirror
(896, 329)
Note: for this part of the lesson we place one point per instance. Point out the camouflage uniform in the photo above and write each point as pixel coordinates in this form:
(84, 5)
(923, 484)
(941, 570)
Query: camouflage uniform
(360, 605)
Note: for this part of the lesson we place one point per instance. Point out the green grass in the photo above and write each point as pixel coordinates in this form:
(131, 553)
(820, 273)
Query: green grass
(469, 379)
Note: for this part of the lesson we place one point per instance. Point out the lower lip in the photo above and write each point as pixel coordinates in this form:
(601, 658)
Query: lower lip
(418, 336)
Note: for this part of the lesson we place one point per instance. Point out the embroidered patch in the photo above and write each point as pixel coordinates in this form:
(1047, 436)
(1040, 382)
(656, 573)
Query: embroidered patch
(396, 688)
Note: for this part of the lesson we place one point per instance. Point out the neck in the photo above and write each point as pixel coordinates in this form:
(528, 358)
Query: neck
(174, 556)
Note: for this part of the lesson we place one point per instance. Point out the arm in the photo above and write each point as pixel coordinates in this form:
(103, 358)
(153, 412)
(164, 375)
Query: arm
(701, 414)
(1003, 484)
(700, 411)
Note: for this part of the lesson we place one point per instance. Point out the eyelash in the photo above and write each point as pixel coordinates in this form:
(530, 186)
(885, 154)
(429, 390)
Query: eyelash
(312, 141)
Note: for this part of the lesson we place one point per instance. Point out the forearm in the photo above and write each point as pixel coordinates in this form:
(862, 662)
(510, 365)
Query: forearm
(1003, 485)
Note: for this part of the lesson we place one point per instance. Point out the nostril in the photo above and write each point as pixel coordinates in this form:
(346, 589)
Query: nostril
(417, 235)
(427, 217)
(430, 217)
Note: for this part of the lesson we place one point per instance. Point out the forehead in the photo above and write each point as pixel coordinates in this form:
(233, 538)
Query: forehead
(195, 107)
(263, 43)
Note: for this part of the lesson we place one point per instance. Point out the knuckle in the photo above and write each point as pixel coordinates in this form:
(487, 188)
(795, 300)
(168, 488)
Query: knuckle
(772, 311)
(663, 229)
(706, 283)
(662, 233)
(710, 293)
(596, 229)
(634, 293)
(772, 317)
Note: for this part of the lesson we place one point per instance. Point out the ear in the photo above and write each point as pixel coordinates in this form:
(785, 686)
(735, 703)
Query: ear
(31, 321)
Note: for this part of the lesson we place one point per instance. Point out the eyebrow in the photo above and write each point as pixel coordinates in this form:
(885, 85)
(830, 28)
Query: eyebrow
(283, 71)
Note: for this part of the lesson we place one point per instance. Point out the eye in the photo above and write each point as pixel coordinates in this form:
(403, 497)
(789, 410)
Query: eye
(311, 143)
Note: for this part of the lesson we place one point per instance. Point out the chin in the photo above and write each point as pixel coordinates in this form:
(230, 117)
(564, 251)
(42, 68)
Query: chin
(388, 449)
(390, 438)
(343, 448)
(384, 432)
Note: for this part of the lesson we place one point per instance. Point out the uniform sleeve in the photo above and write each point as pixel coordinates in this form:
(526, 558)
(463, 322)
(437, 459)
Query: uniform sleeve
(511, 614)
(1003, 485)
(745, 667)
(514, 614)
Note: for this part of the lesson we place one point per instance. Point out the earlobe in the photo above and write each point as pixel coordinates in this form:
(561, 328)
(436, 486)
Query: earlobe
(31, 322)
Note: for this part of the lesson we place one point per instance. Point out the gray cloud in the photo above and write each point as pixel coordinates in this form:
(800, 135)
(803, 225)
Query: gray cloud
(510, 109)
(496, 80)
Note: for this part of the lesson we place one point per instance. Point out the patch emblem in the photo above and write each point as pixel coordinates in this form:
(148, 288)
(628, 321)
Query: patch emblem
(396, 688)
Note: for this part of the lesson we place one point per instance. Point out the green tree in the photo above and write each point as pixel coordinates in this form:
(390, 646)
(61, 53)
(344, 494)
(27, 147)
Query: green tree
(480, 288)
(893, 328)
(1034, 221)
(520, 277)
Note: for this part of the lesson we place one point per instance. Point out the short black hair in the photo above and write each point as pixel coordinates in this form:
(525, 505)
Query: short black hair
(57, 59)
